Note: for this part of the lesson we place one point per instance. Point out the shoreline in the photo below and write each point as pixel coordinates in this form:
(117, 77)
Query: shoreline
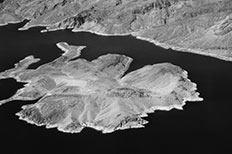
(133, 34)
(156, 43)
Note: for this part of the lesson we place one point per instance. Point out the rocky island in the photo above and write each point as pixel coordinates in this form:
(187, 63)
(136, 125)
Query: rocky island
(196, 26)
(73, 93)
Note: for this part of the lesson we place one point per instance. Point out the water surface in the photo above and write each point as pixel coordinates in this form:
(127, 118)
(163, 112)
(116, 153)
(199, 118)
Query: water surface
(200, 127)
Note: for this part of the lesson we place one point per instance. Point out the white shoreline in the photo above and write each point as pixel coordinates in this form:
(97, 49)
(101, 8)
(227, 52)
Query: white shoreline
(163, 45)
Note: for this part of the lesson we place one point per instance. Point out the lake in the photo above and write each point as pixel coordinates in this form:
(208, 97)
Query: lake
(202, 127)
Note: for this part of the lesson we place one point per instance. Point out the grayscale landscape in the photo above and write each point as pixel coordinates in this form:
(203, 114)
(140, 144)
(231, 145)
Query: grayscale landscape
(74, 92)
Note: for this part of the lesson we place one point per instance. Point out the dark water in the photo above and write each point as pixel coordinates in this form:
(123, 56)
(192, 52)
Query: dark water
(202, 127)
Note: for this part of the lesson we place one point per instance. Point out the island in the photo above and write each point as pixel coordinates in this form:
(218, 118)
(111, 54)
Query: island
(196, 26)
(72, 93)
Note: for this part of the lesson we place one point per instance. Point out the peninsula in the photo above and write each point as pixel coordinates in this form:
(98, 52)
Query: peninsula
(74, 93)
